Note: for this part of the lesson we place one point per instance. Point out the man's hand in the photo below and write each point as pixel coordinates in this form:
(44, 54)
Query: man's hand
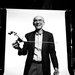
(56, 72)
(16, 45)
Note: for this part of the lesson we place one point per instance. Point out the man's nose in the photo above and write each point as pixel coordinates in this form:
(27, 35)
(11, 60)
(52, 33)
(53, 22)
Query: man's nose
(37, 21)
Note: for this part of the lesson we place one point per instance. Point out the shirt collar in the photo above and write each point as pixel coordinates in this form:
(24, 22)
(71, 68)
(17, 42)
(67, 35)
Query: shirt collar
(39, 33)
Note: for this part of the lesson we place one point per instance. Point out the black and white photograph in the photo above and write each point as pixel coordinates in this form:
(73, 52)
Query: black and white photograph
(37, 37)
(22, 26)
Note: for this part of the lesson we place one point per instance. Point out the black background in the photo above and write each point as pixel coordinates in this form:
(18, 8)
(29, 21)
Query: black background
(46, 5)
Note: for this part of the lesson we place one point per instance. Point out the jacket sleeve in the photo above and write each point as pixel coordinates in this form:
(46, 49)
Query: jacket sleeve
(23, 51)
(53, 52)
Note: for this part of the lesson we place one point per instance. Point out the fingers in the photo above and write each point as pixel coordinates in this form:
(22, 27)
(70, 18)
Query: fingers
(15, 45)
(56, 72)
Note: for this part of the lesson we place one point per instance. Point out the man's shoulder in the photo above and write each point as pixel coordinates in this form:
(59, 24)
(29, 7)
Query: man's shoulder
(29, 33)
(33, 32)
(48, 33)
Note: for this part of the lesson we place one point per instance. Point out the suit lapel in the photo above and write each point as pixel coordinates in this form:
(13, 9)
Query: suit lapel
(43, 40)
(33, 39)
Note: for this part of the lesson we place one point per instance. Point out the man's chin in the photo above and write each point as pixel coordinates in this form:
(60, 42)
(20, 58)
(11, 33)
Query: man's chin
(38, 29)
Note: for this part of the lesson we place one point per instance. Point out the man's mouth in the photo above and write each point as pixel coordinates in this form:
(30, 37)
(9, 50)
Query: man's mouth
(38, 25)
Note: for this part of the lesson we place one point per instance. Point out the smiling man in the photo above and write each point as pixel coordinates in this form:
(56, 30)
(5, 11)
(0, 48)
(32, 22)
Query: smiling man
(39, 51)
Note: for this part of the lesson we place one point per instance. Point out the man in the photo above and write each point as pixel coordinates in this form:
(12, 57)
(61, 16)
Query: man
(39, 49)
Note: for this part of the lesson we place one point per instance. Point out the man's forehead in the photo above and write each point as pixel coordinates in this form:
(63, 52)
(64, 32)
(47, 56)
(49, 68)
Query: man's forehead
(38, 17)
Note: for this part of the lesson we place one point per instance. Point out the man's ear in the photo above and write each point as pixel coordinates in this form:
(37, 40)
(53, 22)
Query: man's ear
(43, 23)
(33, 23)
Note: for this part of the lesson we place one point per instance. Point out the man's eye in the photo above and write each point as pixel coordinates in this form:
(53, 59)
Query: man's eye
(35, 20)
(38, 20)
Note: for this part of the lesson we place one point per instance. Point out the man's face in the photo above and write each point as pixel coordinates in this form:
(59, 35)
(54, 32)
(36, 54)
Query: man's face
(38, 22)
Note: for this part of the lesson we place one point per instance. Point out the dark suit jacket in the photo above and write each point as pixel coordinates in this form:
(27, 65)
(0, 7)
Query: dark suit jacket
(48, 51)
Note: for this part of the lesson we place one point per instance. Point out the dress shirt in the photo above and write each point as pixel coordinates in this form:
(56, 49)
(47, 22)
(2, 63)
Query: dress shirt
(38, 47)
